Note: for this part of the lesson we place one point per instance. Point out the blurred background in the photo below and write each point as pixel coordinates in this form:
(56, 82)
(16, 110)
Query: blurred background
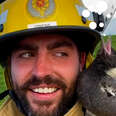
(111, 29)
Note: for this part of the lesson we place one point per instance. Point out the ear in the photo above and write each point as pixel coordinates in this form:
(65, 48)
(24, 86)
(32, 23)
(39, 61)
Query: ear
(82, 60)
(107, 47)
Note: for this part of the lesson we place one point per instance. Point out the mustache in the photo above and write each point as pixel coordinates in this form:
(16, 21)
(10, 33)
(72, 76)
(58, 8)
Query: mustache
(34, 80)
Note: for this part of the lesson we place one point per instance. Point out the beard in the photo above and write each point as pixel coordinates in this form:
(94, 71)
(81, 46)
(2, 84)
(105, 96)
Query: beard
(65, 103)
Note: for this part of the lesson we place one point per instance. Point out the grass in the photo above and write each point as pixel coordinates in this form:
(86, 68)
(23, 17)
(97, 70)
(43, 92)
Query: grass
(2, 81)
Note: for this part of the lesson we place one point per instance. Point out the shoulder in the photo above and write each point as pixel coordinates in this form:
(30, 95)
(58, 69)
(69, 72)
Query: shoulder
(9, 109)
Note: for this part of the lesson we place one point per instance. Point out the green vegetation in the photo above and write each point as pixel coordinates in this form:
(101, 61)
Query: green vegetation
(105, 39)
(2, 81)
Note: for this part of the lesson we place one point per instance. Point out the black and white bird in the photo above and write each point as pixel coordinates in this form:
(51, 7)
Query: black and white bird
(96, 87)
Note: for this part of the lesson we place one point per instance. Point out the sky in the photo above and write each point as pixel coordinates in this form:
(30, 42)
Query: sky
(111, 28)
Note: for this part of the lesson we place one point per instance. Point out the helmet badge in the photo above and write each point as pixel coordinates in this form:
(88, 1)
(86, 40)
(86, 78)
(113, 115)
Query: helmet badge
(41, 8)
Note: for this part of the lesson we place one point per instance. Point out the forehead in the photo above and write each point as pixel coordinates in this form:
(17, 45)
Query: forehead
(45, 39)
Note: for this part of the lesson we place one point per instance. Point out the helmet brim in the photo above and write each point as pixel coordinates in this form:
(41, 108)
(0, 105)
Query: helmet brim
(85, 38)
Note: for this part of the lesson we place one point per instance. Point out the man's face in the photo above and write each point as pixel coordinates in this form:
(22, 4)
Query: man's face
(44, 71)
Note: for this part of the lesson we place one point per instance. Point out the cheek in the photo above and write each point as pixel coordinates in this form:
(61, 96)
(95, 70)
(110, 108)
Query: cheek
(68, 69)
(20, 72)
(69, 72)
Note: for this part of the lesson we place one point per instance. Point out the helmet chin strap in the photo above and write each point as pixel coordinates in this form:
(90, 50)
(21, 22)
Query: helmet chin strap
(7, 74)
(4, 94)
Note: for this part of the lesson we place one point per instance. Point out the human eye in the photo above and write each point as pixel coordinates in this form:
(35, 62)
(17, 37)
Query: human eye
(61, 54)
(26, 54)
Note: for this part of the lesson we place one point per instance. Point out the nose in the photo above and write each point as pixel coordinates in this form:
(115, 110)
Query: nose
(42, 66)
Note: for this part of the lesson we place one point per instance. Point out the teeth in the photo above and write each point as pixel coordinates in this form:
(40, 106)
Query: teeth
(44, 90)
